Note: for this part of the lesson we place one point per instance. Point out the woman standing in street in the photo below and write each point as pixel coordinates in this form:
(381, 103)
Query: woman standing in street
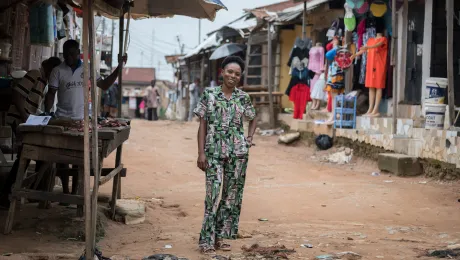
(223, 155)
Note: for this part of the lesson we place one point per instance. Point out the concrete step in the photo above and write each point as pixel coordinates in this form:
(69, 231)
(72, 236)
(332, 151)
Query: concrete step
(311, 126)
(384, 125)
(400, 164)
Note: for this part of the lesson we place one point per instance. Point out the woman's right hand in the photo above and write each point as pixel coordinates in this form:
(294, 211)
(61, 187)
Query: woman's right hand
(201, 162)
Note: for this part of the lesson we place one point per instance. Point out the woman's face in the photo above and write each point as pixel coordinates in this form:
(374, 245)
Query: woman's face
(231, 75)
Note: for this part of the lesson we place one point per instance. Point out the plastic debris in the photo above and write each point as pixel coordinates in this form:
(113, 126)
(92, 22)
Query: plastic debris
(323, 142)
(263, 219)
(168, 246)
(288, 138)
(375, 174)
(306, 245)
(388, 181)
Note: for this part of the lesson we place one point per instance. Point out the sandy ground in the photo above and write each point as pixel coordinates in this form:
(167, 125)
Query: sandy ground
(334, 208)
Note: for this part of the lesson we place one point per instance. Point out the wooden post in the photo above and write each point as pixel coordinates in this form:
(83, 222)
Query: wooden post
(120, 72)
(304, 21)
(248, 57)
(394, 65)
(89, 253)
(403, 54)
(202, 69)
(269, 76)
(450, 60)
(94, 137)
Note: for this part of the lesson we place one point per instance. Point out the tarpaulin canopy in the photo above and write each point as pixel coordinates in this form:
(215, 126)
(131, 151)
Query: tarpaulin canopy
(160, 8)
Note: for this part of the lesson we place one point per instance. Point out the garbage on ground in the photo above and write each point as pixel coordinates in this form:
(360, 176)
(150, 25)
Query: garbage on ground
(306, 245)
(289, 138)
(324, 142)
(269, 132)
(168, 246)
(343, 255)
(131, 211)
(341, 157)
(163, 257)
(276, 251)
(450, 253)
(263, 219)
(422, 182)
(242, 235)
(375, 174)
(388, 181)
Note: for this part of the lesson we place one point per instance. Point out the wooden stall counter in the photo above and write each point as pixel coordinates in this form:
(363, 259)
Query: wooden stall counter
(56, 144)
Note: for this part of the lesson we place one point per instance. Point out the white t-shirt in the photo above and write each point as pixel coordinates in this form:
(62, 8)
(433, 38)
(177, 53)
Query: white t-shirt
(70, 94)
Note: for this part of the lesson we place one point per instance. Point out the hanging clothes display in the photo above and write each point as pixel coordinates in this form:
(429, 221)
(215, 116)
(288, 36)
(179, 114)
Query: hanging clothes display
(335, 74)
(377, 63)
(300, 54)
(371, 32)
(316, 63)
(317, 89)
(300, 95)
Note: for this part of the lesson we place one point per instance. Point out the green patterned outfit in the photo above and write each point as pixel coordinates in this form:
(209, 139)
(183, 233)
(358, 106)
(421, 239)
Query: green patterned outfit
(226, 150)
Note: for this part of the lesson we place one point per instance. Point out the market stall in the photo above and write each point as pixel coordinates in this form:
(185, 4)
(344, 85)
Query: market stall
(62, 143)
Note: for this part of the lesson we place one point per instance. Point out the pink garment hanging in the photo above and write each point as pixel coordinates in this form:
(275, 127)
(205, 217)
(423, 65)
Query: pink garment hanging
(361, 32)
(316, 62)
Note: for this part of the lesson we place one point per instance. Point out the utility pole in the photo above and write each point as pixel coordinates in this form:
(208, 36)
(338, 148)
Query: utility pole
(142, 59)
(153, 41)
(199, 31)
(111, 48)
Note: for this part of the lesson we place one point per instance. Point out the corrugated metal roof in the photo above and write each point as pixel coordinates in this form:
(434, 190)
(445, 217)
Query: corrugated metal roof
(210, 42)
(292, 13)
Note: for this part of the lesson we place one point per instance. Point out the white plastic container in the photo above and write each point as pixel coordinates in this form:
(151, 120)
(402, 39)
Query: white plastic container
(435, 90)
(5, 50)
(434, 116)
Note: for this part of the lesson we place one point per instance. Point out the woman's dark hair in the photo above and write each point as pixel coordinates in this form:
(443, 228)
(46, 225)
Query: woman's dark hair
(51, 63)
(233, 59)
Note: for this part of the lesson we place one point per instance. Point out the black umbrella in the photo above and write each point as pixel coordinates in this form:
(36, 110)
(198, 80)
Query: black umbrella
(227, 50)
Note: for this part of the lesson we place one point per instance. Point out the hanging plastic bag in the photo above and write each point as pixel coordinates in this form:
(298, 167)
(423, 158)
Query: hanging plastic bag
(378, 8)
(349, 20)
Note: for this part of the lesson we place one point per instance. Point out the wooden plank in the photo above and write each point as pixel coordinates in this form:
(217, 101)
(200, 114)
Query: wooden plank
(105, 172)
(54, 141)
(248, 52)
(450, 60)
(116, 188)
(64, 156)
(394, 51)
(109, 176)
(49, 196)
(109, 146)
(270, 87)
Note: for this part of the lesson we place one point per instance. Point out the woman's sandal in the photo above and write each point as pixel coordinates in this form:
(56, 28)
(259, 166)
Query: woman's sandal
(208, 251)
(221, 245)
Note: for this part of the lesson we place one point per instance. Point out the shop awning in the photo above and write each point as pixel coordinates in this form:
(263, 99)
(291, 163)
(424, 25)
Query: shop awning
(205, 9)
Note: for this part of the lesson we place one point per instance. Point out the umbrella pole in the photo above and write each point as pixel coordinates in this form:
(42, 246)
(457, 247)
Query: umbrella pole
(450, 61)
(89, 254)
(270, 88)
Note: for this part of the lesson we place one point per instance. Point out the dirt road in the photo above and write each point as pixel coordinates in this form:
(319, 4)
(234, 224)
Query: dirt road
(334, 208)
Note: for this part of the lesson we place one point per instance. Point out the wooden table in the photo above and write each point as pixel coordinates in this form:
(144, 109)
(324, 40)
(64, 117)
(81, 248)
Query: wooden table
(54, 145)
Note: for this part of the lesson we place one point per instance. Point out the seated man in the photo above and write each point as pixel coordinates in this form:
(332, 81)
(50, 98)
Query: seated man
(67, 81)
(27, 97)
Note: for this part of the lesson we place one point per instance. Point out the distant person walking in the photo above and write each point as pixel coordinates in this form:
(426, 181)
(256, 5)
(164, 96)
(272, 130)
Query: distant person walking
(223, 155)
(194, 90)
(153, 100)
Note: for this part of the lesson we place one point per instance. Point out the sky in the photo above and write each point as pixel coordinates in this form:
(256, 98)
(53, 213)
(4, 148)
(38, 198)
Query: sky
(152, 39)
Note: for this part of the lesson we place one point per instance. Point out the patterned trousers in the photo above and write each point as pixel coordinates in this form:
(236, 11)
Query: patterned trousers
(221, 219)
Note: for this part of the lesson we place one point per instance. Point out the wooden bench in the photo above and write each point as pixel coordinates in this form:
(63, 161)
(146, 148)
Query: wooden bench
(261, 98)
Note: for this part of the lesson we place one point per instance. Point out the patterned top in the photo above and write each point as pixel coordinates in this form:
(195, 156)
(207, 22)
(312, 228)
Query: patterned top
(31, 88)
(225, 133)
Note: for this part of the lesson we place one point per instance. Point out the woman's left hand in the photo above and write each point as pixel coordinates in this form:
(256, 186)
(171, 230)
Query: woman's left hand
(249, 140)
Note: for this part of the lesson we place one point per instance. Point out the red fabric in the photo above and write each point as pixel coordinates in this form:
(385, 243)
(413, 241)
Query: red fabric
(300, 95)
(329, 46)
(329, 102)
